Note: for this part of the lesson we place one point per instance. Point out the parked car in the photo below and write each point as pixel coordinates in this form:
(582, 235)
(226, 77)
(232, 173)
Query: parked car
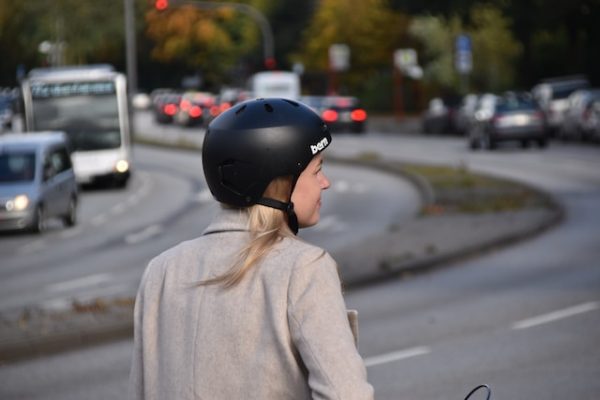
(577, 110)
(440, 116)
(37, 181)
(511, 117)
(465, 115)
(591, 121)
(340, 113)
(7, 112)
(551, 94)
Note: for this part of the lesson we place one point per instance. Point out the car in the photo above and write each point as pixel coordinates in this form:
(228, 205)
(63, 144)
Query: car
(196, 108)
(440, 116)
(551, 94)
(576, 113)
(590, 124)
(340, 113)
(37, 181)
(7, 112)
(465, 115)
(165, 106)
(510, 117)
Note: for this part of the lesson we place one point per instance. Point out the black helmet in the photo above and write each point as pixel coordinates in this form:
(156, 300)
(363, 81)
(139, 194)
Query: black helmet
(249, 145)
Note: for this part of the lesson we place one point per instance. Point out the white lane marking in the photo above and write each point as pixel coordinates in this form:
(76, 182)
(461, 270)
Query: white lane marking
(341, 186)
(99, 220)
(118, 208)
(58, 304)
(69, 233)
(144, 234)
(33, 246)
(203, 196)
(556, 315)
(330, 223)
(396, 356)
(78, 283)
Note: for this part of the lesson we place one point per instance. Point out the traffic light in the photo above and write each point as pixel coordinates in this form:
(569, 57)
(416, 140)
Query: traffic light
(270, 63)
(161, 5)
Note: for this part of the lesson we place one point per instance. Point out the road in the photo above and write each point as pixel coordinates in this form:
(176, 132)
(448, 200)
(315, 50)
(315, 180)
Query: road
(167, 202)
(526, 319)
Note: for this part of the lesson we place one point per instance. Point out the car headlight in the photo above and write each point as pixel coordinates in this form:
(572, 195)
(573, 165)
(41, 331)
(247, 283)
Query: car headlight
(121, 166)
(19, 203)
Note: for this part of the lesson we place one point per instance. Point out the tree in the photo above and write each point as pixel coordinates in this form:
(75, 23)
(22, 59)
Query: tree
(494, 49)
(369, 27)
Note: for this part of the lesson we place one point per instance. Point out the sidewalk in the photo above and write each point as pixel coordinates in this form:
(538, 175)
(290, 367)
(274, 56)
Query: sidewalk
(422, 244)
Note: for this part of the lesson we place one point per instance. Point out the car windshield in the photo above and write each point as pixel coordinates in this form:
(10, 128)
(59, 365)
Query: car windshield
(5, 104)
(17, 167)
(91, 121)
(515, 104)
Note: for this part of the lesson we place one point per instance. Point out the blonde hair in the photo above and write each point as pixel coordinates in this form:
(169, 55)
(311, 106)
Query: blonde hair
(267, 226)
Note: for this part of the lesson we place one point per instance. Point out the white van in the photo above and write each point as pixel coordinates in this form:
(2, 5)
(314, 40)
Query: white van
(283, 84)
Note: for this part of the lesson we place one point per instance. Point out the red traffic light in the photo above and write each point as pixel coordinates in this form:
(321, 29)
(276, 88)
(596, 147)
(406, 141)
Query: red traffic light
(270, 63)
(161, 5)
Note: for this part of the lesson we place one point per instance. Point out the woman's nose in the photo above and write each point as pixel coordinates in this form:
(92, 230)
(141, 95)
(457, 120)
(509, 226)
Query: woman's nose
(325, 183)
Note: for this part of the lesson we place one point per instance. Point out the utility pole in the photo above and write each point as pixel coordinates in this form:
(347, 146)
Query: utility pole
(130, 46)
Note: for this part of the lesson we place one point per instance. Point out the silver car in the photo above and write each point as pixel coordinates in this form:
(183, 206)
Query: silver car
(37, 181)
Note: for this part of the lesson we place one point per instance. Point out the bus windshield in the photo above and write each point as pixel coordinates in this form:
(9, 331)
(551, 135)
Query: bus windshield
(87, 112)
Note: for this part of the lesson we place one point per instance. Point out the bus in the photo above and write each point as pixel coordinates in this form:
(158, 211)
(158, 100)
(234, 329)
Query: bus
(283, 84)
(90, 104)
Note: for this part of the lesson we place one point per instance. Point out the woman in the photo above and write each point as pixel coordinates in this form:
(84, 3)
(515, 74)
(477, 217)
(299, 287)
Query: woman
(248, 310)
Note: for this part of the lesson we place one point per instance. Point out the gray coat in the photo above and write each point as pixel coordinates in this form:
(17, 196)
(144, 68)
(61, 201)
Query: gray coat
(281, 333)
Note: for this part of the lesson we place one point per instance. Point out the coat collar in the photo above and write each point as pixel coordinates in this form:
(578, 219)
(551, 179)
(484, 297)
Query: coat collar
(228, 219)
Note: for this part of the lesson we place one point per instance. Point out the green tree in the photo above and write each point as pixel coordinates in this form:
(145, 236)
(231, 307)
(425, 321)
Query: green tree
(494, 49)
(370, 29)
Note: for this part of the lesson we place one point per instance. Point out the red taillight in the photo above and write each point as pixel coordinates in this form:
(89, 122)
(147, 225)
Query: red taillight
(170, 109)
(195, 112)
(225, 106)
(358, 115)
(330, 115)
(214, 111)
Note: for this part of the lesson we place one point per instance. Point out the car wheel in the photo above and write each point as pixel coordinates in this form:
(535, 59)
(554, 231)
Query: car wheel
(487, 142)
(524, 144)
(473, 144)
(39, 220)
(542, 143)
(70, 219)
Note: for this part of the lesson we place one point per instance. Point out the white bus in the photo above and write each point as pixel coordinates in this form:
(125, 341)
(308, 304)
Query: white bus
(90, 104)
(283, 84)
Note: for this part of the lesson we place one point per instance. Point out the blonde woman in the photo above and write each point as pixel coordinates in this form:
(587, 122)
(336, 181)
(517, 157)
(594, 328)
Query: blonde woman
(248, 310)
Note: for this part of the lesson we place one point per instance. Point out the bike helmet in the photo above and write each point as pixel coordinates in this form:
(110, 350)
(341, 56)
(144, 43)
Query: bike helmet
(256, 141)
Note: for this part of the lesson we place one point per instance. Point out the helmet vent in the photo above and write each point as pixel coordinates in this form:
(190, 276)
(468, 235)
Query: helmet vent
(239, 110)
(291, 102)
(268, 107)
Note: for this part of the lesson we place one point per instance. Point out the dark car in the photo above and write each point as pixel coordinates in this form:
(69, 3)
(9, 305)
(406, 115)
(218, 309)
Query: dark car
(37, 181)
(165, 106)
(196, 108)
(440, 116)
(7, 112)
(510, 117)
(340, 113)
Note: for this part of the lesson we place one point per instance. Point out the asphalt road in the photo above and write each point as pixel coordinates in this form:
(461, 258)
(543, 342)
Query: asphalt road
(526, 319)
(167, 202)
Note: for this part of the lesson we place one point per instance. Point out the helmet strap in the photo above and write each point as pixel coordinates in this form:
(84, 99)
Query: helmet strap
(288, 208)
